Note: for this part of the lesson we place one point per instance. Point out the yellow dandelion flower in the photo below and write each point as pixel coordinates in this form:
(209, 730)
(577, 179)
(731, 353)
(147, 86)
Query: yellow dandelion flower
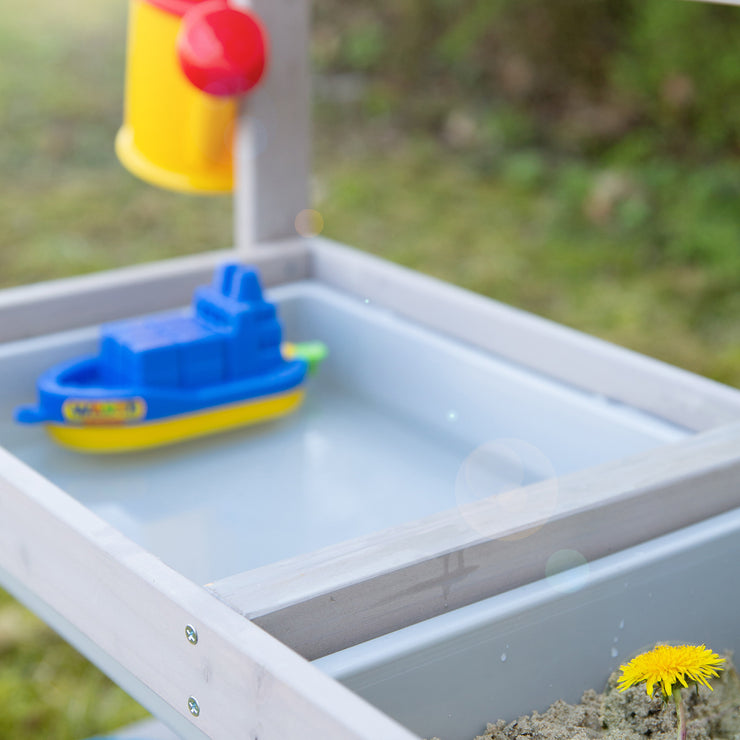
(668, 665)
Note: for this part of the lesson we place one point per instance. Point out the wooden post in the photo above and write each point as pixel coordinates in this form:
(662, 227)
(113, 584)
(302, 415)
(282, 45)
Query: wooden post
(273, 137)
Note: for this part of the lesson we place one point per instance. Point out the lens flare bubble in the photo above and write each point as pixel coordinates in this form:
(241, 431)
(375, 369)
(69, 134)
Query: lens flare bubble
(488, 487)
(567, 570)
(309, 223)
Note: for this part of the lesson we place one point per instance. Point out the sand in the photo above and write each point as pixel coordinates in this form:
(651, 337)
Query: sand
(633, 715)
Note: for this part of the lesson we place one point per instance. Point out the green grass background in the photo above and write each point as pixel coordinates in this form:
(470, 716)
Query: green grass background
(635, 239)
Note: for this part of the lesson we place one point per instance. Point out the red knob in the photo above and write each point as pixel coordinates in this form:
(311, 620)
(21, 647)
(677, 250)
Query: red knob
(222, 50)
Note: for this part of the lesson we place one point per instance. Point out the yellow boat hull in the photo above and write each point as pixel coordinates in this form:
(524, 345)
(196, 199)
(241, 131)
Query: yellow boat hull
(105, 439)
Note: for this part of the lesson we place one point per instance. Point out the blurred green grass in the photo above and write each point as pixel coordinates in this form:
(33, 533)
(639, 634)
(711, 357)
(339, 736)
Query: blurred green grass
(47, 689)
(525, 236)
(632, 245)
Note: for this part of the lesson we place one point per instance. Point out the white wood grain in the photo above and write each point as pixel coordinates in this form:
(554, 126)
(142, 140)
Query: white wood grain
(341, 595)
(273, 139)
(555, 350)
(135, 609)
(69, 303)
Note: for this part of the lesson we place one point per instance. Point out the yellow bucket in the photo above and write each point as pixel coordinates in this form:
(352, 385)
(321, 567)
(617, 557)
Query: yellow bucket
(173, 135)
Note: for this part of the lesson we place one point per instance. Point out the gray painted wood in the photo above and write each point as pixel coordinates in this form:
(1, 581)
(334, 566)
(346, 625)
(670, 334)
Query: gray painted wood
(59, 305)
(273, 139)
(134, 609)
(375, 584)
(574, 358)
(361, 589)
(555, 350)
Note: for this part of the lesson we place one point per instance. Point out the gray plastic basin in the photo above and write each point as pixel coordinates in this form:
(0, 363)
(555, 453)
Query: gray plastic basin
(553, 639)
(391, 419)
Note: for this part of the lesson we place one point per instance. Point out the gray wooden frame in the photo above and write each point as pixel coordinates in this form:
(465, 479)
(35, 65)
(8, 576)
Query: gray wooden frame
(273, 143)
(128, 611)
(356, 590)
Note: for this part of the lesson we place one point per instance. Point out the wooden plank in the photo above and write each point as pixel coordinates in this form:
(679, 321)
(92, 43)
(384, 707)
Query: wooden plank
(273, 140)
(555, 350)
(565, 354)
(135, 609)
(345, 594)
(134, 688)
(59, 305)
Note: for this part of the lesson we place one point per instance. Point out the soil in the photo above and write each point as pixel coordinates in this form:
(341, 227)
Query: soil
(633, 715)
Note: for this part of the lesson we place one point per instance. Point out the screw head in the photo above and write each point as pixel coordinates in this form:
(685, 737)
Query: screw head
(193, 706)
(192, 634)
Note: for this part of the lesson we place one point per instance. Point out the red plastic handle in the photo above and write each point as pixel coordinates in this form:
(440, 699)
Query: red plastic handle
(222, 50)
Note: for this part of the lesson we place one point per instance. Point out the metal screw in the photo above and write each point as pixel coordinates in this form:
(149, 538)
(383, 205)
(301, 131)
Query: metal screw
(192, 634)
(193, 706)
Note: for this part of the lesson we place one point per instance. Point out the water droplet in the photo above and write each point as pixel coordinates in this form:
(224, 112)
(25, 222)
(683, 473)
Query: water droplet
(367, 301)
(621, 625)
(452, 416)
(615, 652)
(503, 657)
(616, 640)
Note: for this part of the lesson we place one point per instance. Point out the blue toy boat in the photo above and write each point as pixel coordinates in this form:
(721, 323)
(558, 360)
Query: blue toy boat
(171, 377)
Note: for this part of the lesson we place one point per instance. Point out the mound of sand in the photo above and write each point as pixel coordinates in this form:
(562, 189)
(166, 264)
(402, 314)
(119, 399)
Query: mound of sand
(633, 715)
